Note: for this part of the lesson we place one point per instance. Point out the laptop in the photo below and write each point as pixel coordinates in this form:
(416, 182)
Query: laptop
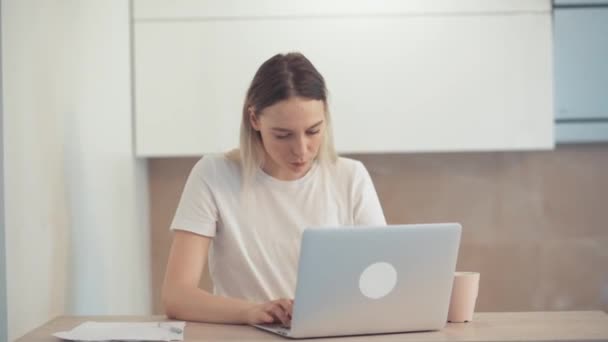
(372, 280)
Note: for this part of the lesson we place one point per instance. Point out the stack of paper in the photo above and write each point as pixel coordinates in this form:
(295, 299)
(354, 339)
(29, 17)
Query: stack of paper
(125, 331)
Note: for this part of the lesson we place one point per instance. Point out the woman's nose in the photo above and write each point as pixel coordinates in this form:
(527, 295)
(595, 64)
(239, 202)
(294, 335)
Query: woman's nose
(299, 147)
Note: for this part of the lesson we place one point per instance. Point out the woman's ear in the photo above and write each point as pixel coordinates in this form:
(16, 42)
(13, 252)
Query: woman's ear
(253, 119)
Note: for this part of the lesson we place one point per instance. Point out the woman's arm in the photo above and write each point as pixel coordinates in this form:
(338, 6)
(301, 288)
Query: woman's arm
(367, 208)
(183, 299)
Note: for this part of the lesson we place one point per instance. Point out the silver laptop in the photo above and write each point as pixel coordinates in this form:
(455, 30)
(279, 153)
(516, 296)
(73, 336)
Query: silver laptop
(371, 280)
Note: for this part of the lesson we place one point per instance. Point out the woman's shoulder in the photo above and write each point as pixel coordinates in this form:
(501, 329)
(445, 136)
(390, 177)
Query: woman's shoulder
(216, 165)
(347, 165)
(347, 169)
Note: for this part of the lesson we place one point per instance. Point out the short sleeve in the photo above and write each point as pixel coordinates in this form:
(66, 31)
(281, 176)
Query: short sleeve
(197, 209)
(367, 208)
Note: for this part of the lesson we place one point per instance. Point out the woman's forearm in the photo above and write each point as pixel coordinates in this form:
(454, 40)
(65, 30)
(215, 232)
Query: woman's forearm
(194, 304)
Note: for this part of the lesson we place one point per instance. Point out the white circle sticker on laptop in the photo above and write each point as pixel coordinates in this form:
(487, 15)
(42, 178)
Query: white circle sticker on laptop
(378, 280)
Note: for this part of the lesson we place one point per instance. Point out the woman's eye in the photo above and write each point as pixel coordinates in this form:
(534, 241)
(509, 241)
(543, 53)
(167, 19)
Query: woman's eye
(285, 136)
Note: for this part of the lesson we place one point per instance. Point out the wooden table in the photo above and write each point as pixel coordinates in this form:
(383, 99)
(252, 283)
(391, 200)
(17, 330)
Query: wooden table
(505, 326)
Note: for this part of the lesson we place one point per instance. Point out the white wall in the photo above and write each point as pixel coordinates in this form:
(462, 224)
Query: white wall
(76, 233)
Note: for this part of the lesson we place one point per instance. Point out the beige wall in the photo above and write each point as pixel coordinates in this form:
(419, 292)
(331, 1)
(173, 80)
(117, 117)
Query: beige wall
(535, 223)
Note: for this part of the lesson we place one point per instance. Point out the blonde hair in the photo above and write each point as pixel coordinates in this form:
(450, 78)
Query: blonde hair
(278, 79)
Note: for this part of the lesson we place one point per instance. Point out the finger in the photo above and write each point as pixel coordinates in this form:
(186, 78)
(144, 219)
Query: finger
(277, 311)
(281, 314)
(264, 317)
(290, 309)
(286, 305)
(286, 308)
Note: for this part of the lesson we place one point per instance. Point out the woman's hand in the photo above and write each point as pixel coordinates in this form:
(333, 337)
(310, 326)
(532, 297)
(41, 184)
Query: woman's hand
(270, 312)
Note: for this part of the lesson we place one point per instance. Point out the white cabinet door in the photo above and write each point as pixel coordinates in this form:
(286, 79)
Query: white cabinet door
(398, 83)
(214, 9)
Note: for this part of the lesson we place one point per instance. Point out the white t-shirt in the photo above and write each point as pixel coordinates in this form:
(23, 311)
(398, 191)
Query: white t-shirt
(256, 233)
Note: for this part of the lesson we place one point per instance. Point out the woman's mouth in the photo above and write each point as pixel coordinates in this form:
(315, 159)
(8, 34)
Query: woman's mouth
(298, 165)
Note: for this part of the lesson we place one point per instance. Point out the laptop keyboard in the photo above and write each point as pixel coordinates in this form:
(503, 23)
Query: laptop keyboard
(278, 327)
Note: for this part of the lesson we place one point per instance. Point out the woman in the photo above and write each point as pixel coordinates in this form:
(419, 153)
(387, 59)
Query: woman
(253, 203)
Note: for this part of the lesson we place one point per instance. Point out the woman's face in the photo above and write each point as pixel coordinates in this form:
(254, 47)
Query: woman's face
(292, 132)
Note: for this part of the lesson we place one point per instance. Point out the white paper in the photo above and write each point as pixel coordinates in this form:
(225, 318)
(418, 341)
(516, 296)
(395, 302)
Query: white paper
(125, 331)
